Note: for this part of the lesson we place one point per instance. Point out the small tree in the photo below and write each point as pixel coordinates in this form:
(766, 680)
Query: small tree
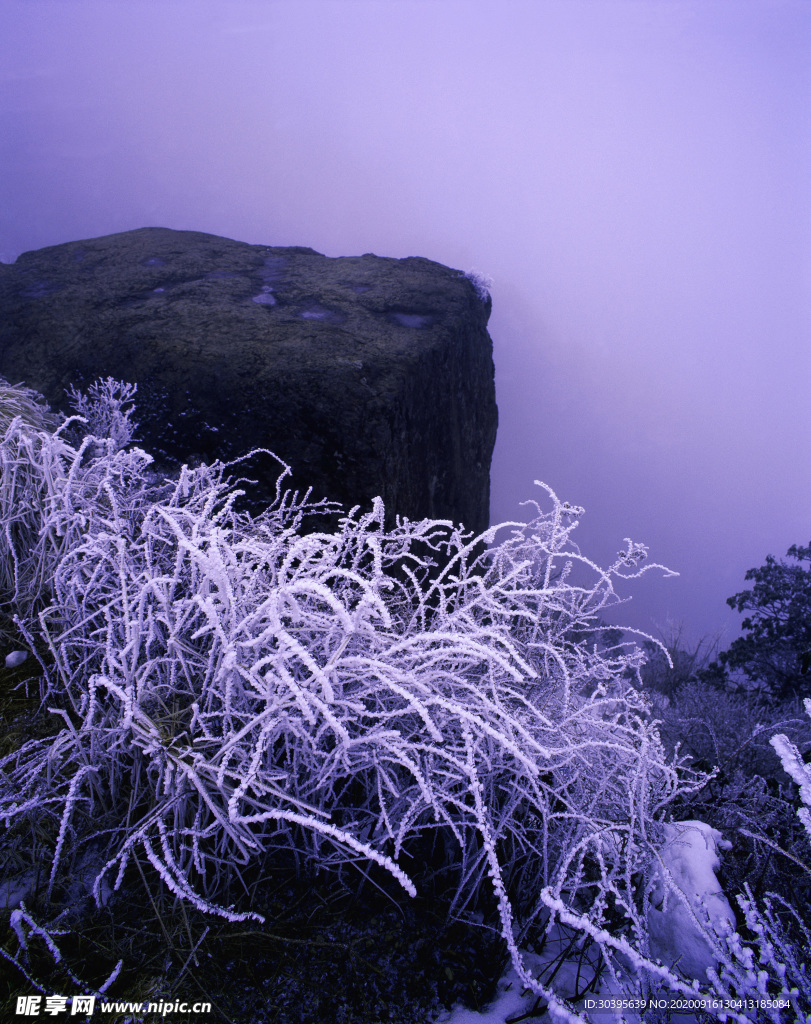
(673, 661)
(775, 650)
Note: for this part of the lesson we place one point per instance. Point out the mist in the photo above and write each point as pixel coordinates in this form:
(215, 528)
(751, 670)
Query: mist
(633, 175)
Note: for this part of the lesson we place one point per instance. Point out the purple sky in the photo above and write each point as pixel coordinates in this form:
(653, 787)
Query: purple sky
(634, 175)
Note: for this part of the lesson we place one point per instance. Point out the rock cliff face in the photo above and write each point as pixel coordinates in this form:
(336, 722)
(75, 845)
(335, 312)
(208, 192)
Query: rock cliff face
(368, 376)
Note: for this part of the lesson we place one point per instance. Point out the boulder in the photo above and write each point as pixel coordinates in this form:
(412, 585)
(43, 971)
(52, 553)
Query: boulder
(367, 375)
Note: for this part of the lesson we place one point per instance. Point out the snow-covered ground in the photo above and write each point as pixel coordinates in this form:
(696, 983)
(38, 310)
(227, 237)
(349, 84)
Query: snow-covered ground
(691, 857)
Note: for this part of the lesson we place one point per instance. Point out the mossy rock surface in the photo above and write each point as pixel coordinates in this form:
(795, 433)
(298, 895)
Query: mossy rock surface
(367, 375)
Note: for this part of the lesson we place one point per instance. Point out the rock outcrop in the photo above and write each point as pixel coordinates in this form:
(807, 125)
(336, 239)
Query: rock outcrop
(367, 375)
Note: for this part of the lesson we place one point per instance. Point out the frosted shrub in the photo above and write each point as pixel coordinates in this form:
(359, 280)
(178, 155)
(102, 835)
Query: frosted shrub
(53, 492)
(763, 967)
(19, 401)
(234, 689)
(27, 477)
(800, 772)
(481, 282)
(776, 966)
(103, 410)
(25, 928)
(772, 969)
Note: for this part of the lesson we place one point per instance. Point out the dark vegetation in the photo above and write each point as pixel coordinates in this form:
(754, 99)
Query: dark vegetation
(722, 710)
(774, 653)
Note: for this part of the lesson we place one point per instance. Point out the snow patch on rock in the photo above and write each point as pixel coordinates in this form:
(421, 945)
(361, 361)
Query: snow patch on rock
(690, 858)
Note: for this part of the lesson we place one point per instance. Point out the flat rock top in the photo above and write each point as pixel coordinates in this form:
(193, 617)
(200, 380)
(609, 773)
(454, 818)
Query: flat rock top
(160, 273)
(268, 310)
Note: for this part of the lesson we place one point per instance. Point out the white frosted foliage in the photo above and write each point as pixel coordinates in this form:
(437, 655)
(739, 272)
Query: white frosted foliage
(800, 772)
(233, 689)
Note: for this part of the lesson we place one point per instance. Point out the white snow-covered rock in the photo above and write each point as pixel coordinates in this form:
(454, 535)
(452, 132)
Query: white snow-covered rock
(691, 857)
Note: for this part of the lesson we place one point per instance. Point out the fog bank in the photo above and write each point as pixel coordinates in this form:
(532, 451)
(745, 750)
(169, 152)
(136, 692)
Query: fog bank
(632, 174)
